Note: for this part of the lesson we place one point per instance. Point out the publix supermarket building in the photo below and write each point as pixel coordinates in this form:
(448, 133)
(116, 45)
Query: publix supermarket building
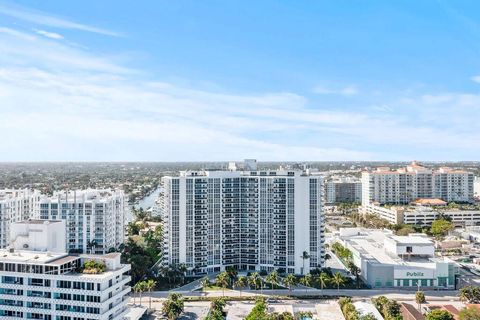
(386, 260)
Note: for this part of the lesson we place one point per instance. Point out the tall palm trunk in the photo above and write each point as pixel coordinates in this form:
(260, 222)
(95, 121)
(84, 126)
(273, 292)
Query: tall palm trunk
(150, 299)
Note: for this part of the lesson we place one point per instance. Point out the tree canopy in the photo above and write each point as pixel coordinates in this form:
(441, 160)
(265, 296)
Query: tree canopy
(441, 227)
(439, 315)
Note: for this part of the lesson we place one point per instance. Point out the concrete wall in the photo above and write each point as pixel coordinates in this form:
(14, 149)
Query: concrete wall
(377, 272)
(39, 236)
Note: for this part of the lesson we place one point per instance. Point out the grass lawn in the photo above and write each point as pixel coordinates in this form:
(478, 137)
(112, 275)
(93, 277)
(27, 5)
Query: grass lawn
(214, 288)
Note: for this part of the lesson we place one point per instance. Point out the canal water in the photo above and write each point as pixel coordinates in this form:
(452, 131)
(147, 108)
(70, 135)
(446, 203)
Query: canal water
(149, 200)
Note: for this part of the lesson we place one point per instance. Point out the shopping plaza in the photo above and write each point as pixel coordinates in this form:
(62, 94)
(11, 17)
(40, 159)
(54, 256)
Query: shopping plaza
(387, 260)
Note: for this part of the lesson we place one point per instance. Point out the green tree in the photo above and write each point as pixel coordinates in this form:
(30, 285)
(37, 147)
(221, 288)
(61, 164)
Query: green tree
(215, 314)
(338, 279)
(323, 279)
(255, 280)
(240, 283)
(280, 316)
(470, 294)
(391, 310)
(306, 280)
(181, 271)
(343, 301)
(441, 227)
(354, 270)
(290, 280)
(205, 283)
(469, 313)
(259, 311)
(305, 315)
(222, 280)
(439, 315)
(273, 279)
(420, 299)
(304, 256)
(216, 309)
(405, 230)
(349, 311)
(173, 306)
(149, 286)
(379, 303)
(91, 245)
(139, 288)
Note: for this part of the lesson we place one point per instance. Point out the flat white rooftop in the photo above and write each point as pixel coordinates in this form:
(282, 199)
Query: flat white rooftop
(365, 308)
(370, 244)
(404, 240)
(25, 256)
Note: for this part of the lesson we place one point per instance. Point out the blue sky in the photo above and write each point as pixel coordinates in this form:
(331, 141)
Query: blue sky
(227, 80)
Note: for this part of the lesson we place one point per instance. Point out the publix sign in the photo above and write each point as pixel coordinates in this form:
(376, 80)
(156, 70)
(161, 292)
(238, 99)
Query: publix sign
(415, 274)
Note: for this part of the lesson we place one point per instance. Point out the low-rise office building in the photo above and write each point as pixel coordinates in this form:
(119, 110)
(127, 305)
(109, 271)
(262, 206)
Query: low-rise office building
(386, 260)
(423, 215)
(39, 282)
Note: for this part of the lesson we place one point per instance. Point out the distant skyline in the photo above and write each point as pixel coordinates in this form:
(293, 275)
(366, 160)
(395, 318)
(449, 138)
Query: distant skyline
(228, 80)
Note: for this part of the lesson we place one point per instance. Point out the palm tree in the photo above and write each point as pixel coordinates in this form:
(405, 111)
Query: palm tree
(290, 280)
(222, 280)
(139, 288)
(254, 280)
(306, 281)
(232, 273)
(273, 278)
(91, 244)
(182, 269)
(338, 279)
(420, 299)
(323, 279)
(241, 283)
(304, 257)
(355, 271)
(204, 282)
(149, 286)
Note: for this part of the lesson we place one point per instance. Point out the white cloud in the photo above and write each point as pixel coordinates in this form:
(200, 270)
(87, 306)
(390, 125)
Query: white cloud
(65, 103)
(51, 35)
(475, 79)
(344, 91)
(20, 48)
(41, 18)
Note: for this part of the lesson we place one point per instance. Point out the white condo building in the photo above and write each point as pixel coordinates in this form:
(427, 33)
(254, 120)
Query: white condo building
(15, 206)
(95, 219)
(402, 186)
(248, 219)
(39, 280)
(343, 189)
